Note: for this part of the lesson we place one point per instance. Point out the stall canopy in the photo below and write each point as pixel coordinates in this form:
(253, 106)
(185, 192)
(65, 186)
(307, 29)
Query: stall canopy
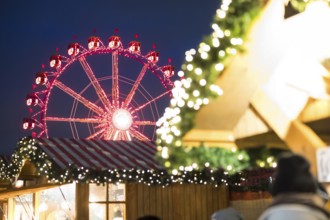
(99, 154)
(63, 160)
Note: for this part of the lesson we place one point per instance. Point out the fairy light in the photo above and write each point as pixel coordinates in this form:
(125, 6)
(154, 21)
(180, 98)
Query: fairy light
(206, 47)
(222, 53)
(185, 96)
(177, 133)
(227, 33)
(186, 84)
(173, 102)
(181, 103)
(231, 51)
(202, 82)
(196, 107)
(196, 93)
(189, 58)
(221, 14)
(204, 55)
(190, 104)
(215, 26)
(205, 101)
(180, 73)
(215, 42)
(198, 71)
(219, 66)
(190, 67)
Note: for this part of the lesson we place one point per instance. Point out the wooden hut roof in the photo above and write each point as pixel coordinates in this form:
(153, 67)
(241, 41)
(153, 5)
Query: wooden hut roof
(99, 154)
(63, 160)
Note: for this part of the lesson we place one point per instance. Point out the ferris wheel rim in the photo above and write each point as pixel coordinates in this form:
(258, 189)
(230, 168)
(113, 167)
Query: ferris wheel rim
(152, 67)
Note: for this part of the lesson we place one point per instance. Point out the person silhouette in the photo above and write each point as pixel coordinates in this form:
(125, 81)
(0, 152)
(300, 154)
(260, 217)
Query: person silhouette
(296, 193)
(149, 217)
(228, 213)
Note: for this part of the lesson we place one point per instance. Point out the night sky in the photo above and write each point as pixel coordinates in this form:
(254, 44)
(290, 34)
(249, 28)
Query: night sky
(32, 30)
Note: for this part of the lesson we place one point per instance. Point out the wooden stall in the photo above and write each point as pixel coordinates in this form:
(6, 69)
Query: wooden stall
(178, 201)
(79, 179)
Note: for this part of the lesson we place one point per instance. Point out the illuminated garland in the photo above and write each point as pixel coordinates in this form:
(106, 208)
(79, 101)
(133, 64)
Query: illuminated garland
(199, 73)
(3, 166)
(29, 150)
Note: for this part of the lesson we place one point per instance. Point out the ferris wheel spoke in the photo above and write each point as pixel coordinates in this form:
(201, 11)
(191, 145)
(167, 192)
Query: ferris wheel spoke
(41, 133)
(102, 125)
(135, 85)
(139, 135)
(150, 101)
(115, 85)
(38, 113)
(109, 134)
(80, 98)
(121, 135)
(81, 120)
(145, 123)
(99, 90)
(98, 133)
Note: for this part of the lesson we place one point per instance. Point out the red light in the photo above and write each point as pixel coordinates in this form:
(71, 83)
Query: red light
(134, 46)
(31, 100)
(55, 61)
(153, 56)
(73, 49)
(168, 71)
(93, 42)
(41, 78)
(28, 123)
(114, 42)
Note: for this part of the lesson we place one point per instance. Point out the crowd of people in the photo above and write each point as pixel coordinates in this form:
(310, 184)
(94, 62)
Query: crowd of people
(296, 194)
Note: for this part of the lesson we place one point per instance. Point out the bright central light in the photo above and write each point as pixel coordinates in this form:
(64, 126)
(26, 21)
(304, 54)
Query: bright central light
(122, 119)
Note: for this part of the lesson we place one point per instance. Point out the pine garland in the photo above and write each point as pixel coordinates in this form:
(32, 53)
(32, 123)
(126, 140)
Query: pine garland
(202, 68)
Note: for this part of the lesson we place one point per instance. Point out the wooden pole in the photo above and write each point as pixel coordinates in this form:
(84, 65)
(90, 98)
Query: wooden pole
(82, 201)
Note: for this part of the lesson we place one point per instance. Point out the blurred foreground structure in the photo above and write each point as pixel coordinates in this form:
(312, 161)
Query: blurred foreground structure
(277, 93)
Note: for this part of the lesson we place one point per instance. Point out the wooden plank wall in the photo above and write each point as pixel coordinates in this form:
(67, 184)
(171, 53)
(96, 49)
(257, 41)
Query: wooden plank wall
(177, 201)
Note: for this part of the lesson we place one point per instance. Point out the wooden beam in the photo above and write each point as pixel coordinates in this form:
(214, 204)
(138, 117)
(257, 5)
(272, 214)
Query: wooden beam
(82, 200)
(299, 137)
(210, 138)
(26, 190)
(268, 139)
(303, 140)
(250, 124)
(315, 110)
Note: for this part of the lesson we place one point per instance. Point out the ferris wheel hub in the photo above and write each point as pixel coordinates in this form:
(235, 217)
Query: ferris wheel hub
(122, 119)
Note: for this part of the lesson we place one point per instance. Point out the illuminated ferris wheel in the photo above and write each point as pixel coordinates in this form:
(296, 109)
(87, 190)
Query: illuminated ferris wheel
(100, 92)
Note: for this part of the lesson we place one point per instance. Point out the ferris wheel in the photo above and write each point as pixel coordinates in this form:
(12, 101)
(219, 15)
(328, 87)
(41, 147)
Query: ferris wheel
(100, 92)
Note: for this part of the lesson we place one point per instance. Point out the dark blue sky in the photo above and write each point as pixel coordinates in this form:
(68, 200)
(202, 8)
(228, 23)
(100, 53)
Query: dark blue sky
(32, 30)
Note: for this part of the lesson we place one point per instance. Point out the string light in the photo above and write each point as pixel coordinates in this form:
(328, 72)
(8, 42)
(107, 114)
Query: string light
(28, 149)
